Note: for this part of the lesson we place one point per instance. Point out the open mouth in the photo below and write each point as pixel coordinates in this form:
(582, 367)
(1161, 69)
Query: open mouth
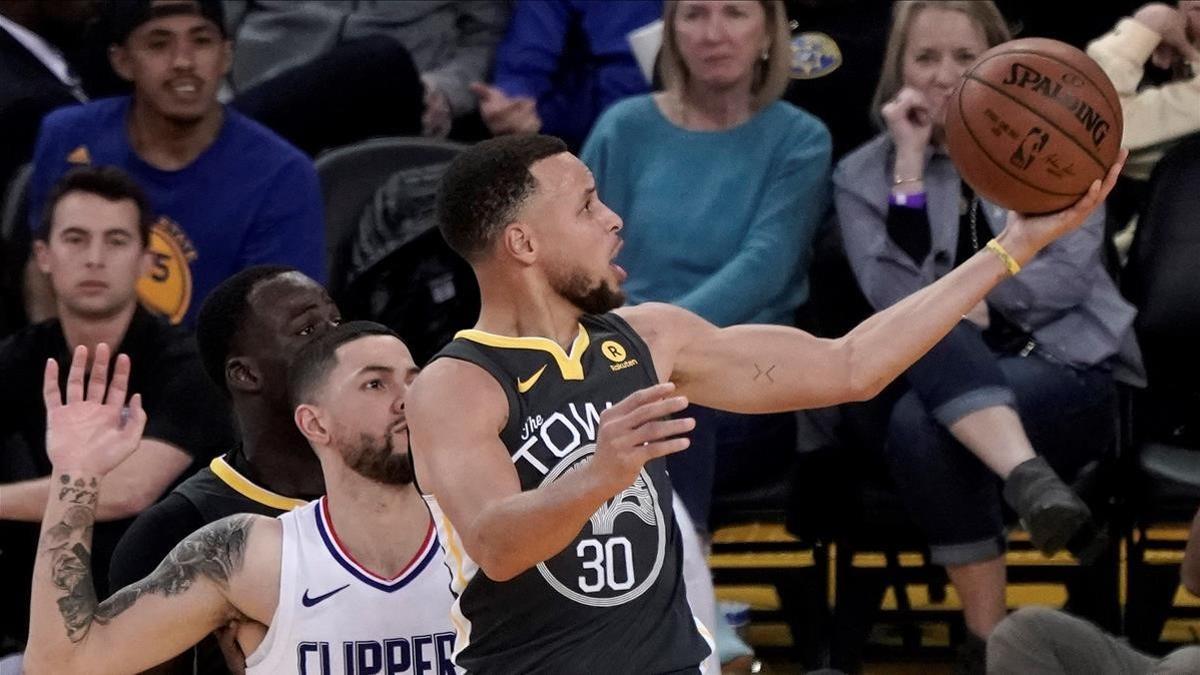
(184, 88)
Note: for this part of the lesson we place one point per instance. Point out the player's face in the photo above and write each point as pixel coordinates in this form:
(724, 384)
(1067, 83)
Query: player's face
(720, 42)
(364, 401)
(940, 45)
(581, 237)
(288, 311)
(94, 254)
(176, 64)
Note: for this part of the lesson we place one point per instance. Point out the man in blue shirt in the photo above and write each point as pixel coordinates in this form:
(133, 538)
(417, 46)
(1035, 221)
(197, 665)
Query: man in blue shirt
(231, 193)
(562, 63)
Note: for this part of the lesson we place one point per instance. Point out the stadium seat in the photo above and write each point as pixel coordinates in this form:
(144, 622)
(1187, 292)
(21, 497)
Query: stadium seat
(350, 176)
(1164, 419)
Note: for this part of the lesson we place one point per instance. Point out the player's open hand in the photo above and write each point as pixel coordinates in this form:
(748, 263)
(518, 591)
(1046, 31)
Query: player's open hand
(94, 430)
(1027, 234)
(635, 431)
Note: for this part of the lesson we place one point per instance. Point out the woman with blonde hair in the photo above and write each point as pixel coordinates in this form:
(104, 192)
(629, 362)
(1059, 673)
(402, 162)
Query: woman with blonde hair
(1022, 390)
(722, 187)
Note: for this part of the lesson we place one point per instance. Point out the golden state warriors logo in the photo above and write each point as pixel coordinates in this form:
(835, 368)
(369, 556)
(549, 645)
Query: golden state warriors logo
(814, 55)
(167, 287)
(619, 554)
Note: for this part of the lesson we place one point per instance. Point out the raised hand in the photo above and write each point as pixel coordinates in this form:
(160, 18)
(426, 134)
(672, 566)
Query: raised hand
(634, 432)
(94, 430)
(1025, 235)
(909, 120)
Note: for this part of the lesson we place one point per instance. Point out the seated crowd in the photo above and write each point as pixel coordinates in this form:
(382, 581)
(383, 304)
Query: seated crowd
(172, 213)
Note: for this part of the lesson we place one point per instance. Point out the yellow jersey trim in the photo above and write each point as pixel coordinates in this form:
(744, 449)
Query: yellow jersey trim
(247, 489)
(571, 364)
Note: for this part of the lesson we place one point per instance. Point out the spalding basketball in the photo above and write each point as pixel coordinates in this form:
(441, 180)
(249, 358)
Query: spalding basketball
(1032, 124)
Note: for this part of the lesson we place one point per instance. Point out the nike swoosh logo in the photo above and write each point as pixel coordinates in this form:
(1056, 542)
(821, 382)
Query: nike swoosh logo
(525, 385)
(309, 602)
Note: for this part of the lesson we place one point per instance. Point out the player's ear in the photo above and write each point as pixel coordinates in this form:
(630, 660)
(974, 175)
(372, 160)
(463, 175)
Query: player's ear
(518, 242)
(241, 375)
(118, 56)
(309, 422)
(41, 256)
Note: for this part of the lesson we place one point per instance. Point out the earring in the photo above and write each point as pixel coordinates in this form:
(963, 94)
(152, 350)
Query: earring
(766, 54)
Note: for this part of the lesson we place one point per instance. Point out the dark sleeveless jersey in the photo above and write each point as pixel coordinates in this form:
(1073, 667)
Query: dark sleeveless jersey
(612, 601)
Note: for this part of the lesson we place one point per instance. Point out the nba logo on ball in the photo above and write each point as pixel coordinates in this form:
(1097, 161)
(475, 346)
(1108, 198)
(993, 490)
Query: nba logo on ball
(1032, 124)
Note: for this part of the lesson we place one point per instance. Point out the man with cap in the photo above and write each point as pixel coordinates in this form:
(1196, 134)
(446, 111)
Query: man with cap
(231, 193)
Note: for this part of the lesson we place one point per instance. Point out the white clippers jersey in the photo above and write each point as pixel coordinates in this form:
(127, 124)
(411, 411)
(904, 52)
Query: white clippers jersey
(335, 617)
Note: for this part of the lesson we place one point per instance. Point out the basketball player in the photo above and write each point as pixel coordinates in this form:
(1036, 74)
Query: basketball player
(351, 583)
(551, 497)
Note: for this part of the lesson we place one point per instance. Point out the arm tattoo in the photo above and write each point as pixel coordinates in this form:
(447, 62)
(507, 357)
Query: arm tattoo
(79, 491)
(764, 372)
(215, 551)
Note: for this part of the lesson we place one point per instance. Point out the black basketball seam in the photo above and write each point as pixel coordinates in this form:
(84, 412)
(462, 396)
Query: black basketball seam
(1003, 168)
(1086, 151)
(1115, 108)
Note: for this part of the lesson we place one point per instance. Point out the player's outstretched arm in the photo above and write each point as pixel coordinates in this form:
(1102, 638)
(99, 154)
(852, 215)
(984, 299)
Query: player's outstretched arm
(756, 369)
(455, 414)
(144, 624)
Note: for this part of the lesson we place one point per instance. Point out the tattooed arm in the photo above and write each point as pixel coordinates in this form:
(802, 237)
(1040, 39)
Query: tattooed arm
(185, 598)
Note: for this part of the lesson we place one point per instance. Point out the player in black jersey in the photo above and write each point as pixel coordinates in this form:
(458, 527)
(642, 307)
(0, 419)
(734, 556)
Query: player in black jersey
(538, 436)
(247, 329)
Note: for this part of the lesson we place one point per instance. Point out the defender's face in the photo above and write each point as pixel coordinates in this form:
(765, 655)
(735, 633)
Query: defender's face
(363, 402)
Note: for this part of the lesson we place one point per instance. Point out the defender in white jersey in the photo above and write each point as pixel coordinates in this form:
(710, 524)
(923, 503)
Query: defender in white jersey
(337, 616)
(353, 583)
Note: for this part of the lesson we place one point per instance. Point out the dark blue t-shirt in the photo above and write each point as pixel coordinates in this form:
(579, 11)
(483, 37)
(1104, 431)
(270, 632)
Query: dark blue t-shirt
(249, 199)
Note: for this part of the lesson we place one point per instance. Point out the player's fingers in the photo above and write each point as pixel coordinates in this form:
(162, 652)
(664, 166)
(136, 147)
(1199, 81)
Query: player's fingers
(120, 382)
(95, 383)
(654, 410)
(50, 393)
(133, 417)
(75, 374)
(1114, 173)
(639, 397)
(662, 429)
(663, 448)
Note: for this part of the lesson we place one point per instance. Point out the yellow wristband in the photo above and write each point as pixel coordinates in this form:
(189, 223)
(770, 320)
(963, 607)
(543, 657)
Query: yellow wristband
(1012, 265)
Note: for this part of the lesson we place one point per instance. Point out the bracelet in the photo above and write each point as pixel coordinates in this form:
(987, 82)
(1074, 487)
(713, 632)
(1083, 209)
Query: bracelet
(896, 180)
(1011, 264)
(911, 200)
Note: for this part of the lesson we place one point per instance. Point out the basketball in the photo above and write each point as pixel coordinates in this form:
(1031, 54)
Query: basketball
(1032, 124)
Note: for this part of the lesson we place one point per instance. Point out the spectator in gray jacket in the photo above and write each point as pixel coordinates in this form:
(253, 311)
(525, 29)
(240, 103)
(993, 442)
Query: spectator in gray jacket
(1022, 390)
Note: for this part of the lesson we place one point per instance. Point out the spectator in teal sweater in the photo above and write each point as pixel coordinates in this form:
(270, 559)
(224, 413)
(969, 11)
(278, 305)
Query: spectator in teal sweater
(722, 187)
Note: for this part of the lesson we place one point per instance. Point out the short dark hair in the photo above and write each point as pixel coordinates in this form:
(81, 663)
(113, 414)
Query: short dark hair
(108, 182)
(315, 359)
(484, 187)
(224, 311)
